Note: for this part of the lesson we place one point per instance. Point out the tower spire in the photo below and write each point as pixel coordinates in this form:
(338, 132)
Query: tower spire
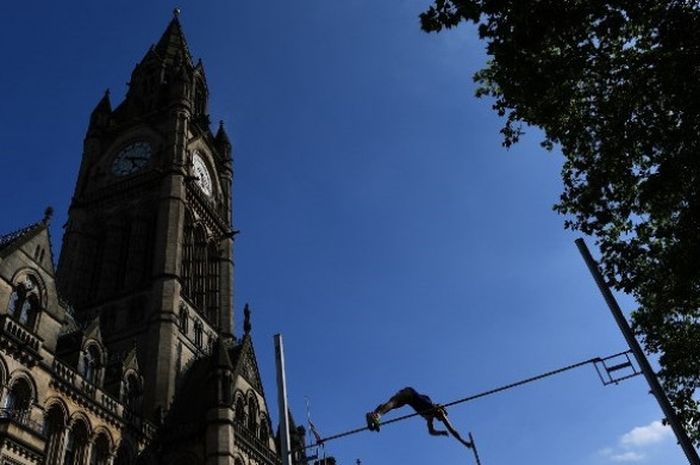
(172, 46)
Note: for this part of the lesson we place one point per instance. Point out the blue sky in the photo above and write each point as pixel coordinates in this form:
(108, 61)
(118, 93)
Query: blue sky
(385, 231)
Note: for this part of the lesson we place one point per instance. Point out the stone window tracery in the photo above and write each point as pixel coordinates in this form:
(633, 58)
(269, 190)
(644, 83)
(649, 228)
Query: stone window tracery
(54, 430)
(212, 285)
(24, 303)
(239, 414)
(18, 399)
(187, 254)
(76, 444)
(264, 434)
(100, 451)
(184, 320)
(92, 364)
(252, 415)
(132, 391)
(200, 269)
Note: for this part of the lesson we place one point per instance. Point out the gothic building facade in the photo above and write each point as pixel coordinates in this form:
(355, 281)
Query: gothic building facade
(125, 351)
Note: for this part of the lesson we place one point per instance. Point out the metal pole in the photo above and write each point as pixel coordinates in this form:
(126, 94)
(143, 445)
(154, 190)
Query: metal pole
(476, 453)
(282, 400)
(656, 389)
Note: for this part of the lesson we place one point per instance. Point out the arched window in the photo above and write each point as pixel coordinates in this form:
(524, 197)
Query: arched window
(100, 451)
(23, 306)
(184, 320)
(92, 364)
(187, 255)
(264, 432)
(239, 414)
(132, 391)
(252, 414)
(178, 365)
(19, 399)
(200, 269)
(213, 285)
(76, 444)
(54, 428)
(198, 332)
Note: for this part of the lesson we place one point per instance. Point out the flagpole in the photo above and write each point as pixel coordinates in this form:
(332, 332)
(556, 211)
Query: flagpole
(282, 400)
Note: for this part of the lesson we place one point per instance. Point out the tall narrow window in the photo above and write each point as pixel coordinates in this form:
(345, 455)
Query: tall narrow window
(54, 428)
(19, 400)
(132, 392)
(252, 415)
(239, 414)
(198, 334)
(91, 364)
(100, 451)
(187, 255)
(14, 305)
(76, 445)
(213, 285)
(264, 434)
(184, 320)
(178, 366)
(200, 269)
(23, 306)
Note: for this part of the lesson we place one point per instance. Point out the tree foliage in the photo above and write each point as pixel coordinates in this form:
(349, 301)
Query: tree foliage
(616, 85)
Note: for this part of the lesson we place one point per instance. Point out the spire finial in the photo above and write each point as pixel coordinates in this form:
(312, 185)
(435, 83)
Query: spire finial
(176, 12)
(246, 322)
(48, 213)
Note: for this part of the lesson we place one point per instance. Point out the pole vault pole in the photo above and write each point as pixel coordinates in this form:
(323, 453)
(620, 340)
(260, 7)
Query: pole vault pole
(656, 389)
(282, 400)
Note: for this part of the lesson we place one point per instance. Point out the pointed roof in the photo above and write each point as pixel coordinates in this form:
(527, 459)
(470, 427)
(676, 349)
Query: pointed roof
(172, 46)
(131, 360)
(93, 330)
(104, 105)
(246, 365)
(221, 136)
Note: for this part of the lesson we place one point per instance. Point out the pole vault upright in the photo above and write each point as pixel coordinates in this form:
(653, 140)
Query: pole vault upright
(656, 389)
(282, 400)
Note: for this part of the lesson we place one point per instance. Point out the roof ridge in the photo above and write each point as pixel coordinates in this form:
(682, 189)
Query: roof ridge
(12, 237)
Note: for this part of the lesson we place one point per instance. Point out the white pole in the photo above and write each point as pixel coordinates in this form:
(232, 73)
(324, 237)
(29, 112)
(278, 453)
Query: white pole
(282, 400)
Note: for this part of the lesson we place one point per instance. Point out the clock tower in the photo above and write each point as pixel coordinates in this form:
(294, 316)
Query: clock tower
(147, 250)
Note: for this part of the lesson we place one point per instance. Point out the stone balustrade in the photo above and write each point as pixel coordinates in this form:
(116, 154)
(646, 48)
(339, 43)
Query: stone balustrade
(255, 443)
(19, 341)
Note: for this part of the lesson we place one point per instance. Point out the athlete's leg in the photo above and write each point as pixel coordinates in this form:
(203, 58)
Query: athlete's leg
(399, 399)
(443, 418)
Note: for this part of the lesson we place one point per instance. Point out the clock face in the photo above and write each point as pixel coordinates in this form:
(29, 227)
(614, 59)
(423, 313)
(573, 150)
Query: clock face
(202, 174)
(132, 158)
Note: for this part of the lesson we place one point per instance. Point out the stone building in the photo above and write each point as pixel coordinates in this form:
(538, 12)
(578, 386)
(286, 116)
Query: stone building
(125, 351)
